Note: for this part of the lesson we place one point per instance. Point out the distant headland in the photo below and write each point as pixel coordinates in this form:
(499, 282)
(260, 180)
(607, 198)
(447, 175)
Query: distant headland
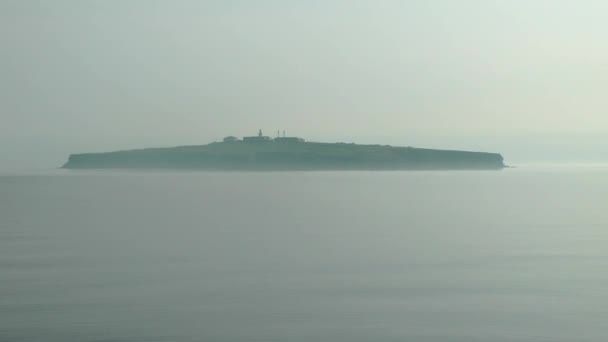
(262, 152)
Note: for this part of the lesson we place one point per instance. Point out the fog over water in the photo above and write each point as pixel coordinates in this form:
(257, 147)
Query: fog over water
(525, 78)
(512, 255)
(106, 256)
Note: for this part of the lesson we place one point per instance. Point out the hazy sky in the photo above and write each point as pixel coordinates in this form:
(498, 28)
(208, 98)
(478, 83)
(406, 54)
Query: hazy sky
(527, 78)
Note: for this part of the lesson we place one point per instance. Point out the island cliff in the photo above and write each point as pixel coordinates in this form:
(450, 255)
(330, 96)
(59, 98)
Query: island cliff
(287, 153)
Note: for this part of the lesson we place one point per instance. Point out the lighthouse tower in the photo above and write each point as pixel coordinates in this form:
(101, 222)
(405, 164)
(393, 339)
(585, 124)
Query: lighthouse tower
(259, 138)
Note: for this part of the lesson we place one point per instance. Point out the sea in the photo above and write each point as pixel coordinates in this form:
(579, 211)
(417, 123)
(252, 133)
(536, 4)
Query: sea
(159, 256)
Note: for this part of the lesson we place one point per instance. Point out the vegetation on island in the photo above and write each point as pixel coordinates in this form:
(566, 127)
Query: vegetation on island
(286, 154)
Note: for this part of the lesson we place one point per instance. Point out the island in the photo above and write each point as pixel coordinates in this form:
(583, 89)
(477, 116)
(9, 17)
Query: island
(263, 153)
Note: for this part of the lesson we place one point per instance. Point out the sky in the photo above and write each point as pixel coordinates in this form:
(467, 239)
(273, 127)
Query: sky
(526, 78)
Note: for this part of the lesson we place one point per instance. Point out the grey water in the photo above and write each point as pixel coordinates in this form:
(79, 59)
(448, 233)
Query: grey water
(514, 255)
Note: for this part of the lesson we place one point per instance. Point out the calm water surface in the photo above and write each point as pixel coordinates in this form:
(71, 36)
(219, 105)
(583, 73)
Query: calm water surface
(516, 255)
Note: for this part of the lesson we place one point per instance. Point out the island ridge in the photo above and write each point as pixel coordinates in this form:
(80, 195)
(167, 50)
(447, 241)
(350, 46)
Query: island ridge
(261, 152)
